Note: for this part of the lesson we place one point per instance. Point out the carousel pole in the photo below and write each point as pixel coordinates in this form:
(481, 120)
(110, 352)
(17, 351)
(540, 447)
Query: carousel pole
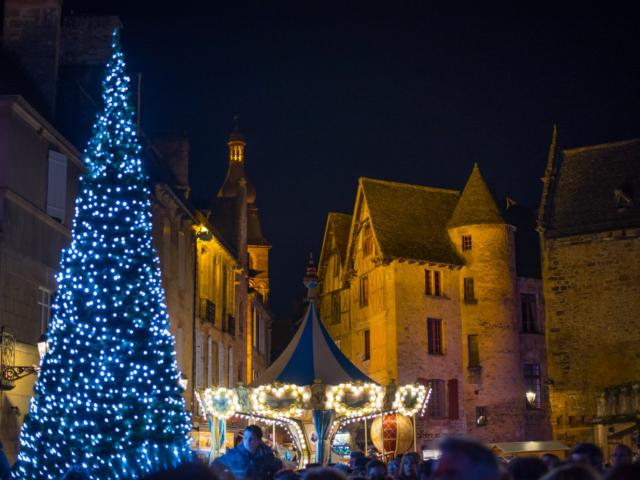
(366, 439)
(274, 435)
(382, 432)
(415, 441)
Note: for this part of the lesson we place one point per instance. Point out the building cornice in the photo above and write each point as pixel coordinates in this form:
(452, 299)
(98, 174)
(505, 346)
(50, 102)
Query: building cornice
(27, 113)
(31, 208)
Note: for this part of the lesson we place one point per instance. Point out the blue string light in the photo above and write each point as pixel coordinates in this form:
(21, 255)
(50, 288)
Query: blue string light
(107, 400)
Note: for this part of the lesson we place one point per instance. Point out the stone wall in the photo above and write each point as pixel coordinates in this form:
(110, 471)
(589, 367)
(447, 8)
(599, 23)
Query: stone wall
(591, 288)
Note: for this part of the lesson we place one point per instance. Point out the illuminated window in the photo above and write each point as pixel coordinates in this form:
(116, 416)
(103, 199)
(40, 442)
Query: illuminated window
(528, 308)
(437, 402)
(434, 336)
(367, 241)
(469, 294)
(433, 283)
(466, 243)
(474, 351)
(364, 291)
(367, 345)
(481, 416)
(44, 301)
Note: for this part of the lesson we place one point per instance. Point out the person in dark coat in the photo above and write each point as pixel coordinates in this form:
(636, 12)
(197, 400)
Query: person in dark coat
(251, 460)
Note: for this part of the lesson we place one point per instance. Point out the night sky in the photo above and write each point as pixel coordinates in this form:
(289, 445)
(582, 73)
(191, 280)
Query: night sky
(327, 93)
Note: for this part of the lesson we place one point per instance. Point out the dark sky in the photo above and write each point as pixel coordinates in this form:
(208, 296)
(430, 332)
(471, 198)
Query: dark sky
(328, 92)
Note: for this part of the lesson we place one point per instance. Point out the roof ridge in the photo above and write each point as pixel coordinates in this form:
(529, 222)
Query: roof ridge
(411, 185)
(339, 213)
(601, 146)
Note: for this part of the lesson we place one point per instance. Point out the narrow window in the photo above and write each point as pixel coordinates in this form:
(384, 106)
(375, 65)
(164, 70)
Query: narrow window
(481, 416)
(367, 345)
(240, 371)
(434, 336)
(437, 407)
(367, 241)
(528, 308)
(533, 384)
(364, 291)
(428, 290)
(469, 294)
(209, 361)
(44, 301)
(466, 243)
(437, 283)
(474, 351)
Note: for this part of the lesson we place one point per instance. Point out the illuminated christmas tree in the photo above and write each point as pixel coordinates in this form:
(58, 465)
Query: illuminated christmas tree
(107, 400)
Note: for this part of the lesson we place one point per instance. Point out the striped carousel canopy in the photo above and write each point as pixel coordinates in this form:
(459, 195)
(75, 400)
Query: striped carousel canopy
(311, 355)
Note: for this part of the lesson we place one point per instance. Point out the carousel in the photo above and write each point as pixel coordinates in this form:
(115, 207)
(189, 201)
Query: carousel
(317, 396)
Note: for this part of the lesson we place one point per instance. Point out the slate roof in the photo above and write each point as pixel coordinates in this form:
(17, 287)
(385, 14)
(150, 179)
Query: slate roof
(585, 191)
(477, 205)
(410, 221)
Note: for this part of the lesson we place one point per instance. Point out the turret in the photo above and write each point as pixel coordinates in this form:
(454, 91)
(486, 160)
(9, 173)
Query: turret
(494, 384)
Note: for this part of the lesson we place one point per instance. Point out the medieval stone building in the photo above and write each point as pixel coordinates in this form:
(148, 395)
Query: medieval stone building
(214, 262)
(589, 226)
(421, 284)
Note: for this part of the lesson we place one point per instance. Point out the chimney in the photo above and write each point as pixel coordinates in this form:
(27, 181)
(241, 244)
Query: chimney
(32, 33)
(175, 154)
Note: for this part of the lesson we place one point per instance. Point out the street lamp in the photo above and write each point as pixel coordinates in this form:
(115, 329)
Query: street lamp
(183, 381)
(9, 372)
(43, 346)
(531, 398)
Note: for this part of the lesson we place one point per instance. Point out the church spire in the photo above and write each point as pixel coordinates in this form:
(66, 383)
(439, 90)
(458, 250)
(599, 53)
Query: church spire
(236, 144)
(235, 169)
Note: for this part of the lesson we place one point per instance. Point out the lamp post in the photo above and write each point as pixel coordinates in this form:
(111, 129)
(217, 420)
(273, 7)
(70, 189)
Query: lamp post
(10, 373)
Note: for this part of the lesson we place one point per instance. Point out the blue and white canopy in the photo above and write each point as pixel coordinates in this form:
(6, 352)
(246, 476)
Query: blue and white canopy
(311, 355)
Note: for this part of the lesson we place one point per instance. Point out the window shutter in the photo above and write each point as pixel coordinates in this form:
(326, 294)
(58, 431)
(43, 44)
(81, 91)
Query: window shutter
(452, 387)
(57, 185)
(181, 259)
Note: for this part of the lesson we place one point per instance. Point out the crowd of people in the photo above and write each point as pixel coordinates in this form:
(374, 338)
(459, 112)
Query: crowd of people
(460, 459)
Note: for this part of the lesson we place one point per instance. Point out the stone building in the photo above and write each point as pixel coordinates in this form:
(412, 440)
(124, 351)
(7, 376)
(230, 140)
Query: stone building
(589, 226)
(420, 284)
(215, 266)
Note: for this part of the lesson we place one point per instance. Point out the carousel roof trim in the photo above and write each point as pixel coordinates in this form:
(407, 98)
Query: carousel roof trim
(312, 354)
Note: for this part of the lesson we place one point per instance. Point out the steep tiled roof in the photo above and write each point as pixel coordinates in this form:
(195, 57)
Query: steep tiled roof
(254, 229)
(410, 221)
(340, 223)
(595, 188)
(476, 204)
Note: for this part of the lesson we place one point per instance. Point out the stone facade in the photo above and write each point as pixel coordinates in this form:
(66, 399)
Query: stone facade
(589, 226)
(403, 310)
(39, 173)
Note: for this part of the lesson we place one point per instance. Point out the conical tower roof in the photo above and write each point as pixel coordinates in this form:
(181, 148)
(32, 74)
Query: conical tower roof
(476, 204)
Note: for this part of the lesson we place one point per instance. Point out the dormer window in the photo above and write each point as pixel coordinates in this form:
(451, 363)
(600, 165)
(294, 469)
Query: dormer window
(623, 197)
